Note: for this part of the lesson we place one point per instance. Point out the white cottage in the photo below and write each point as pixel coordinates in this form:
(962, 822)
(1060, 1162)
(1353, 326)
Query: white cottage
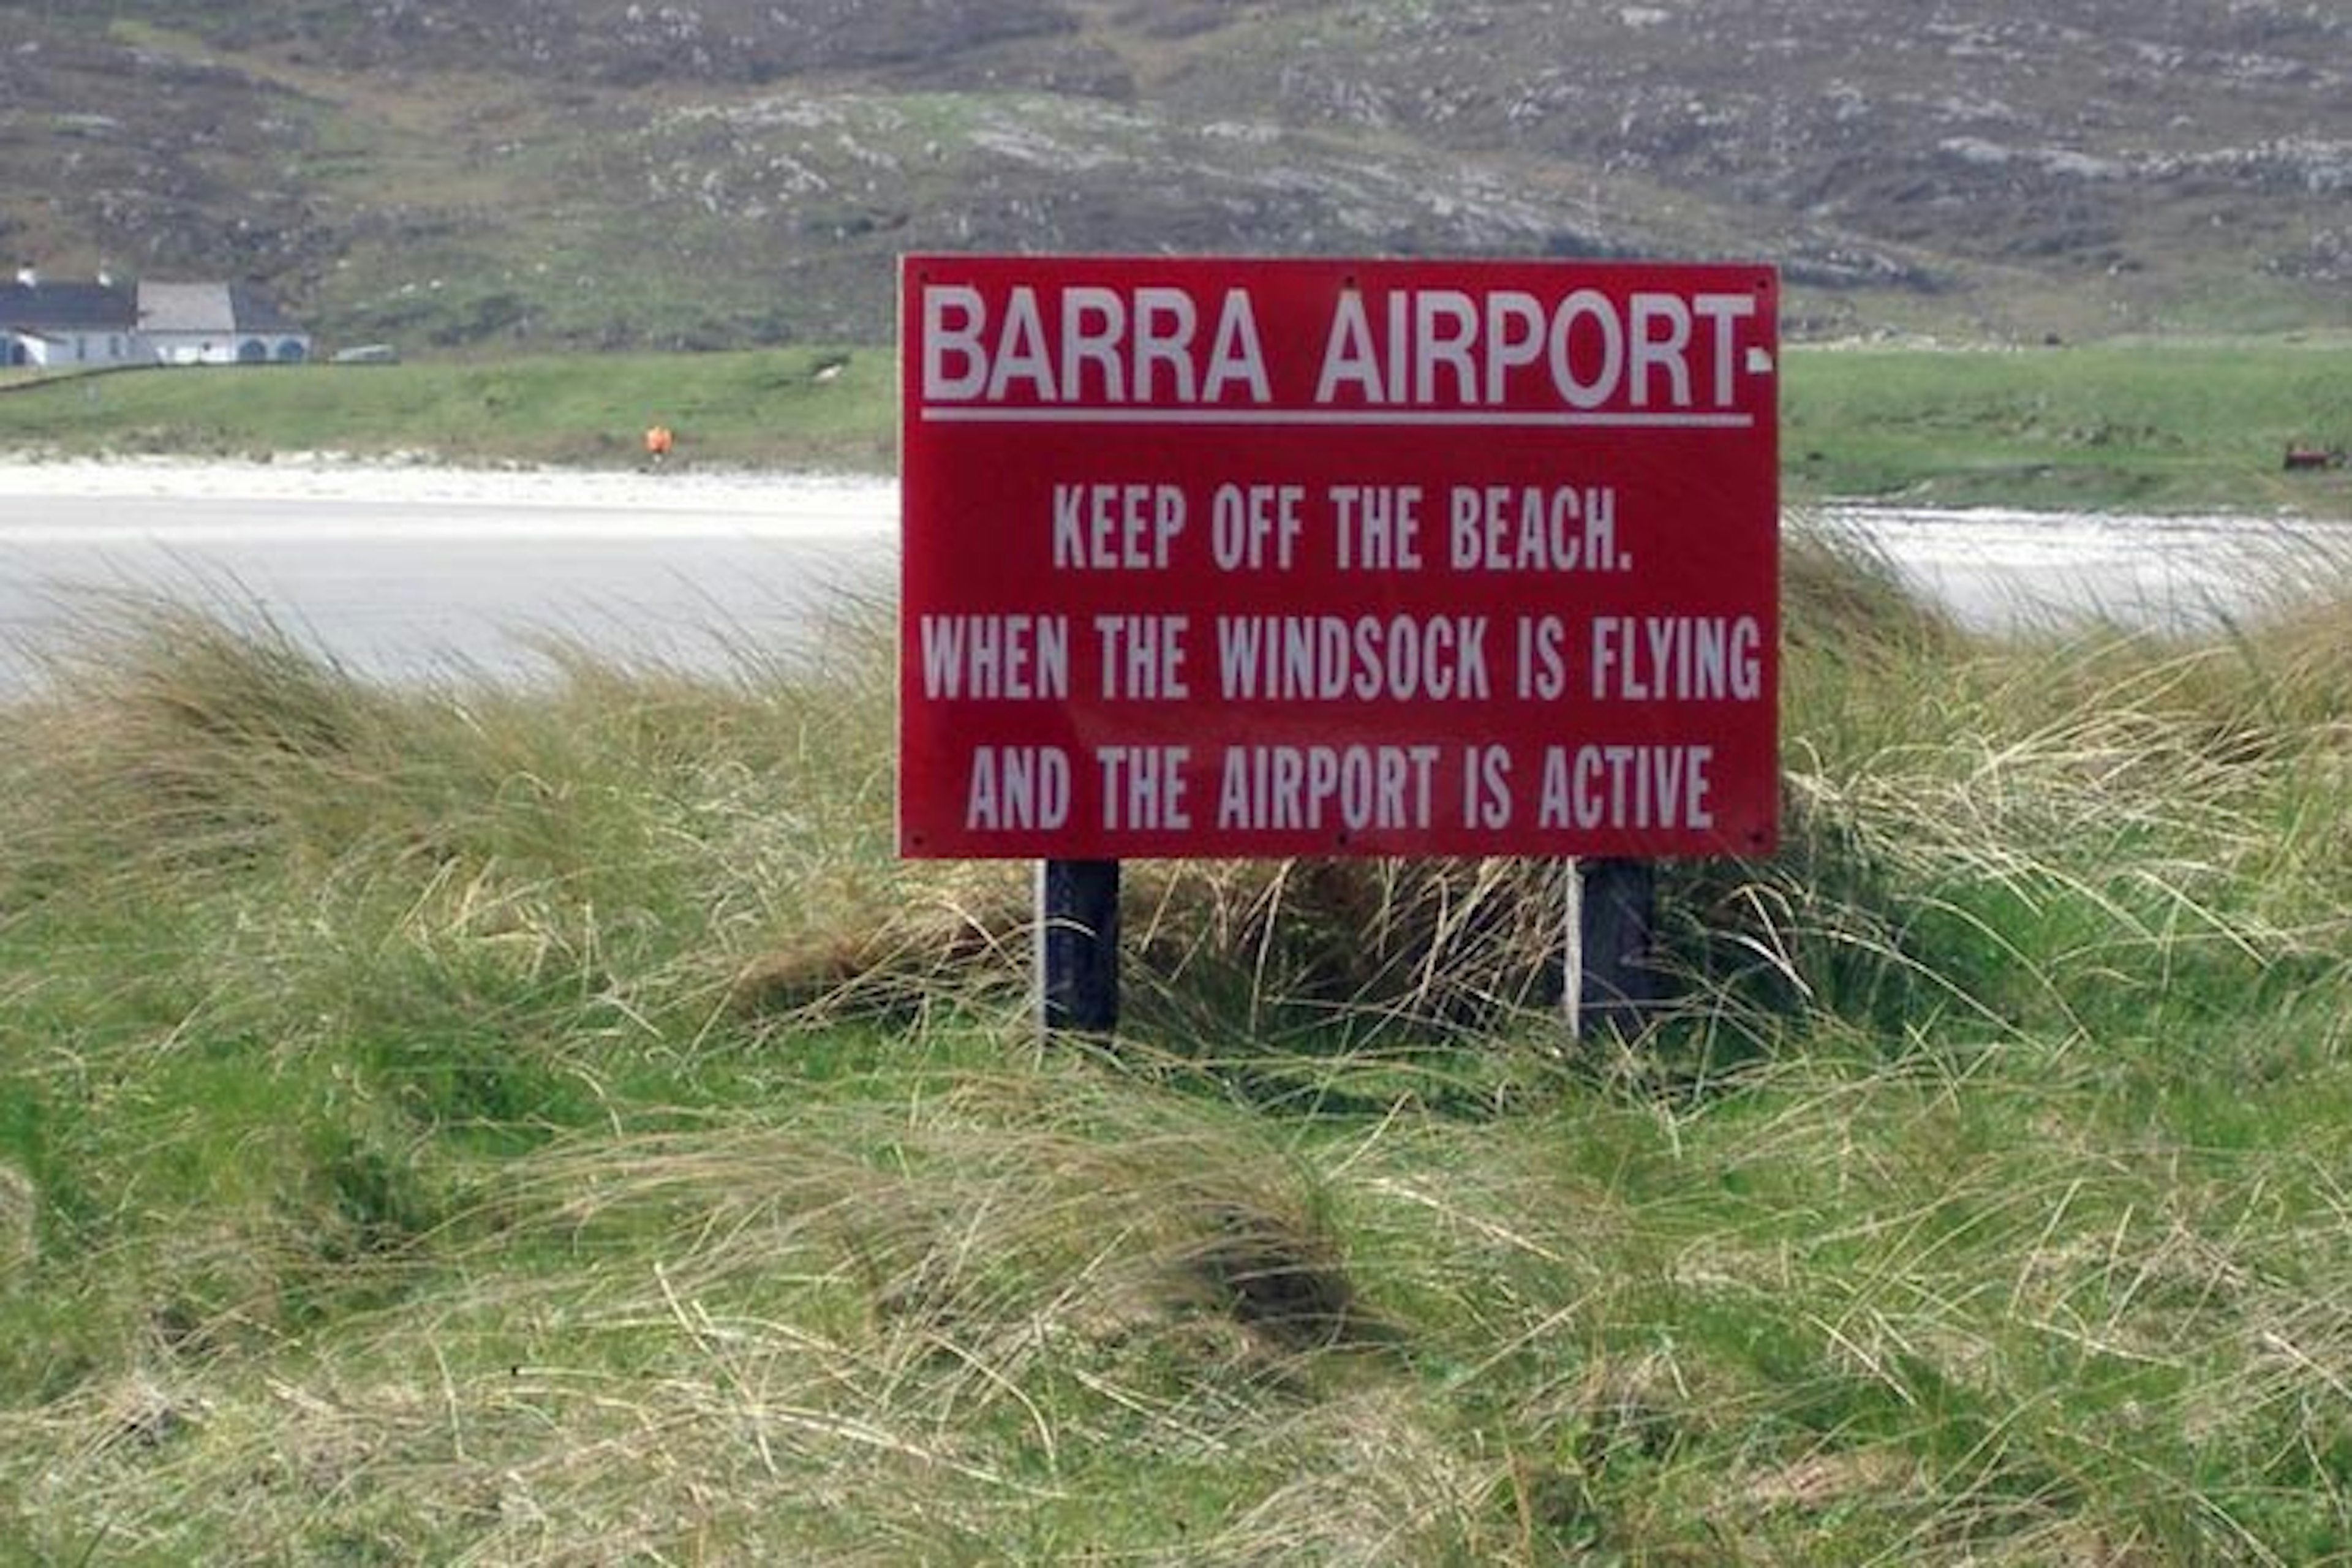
(67, 326)
(216, 324)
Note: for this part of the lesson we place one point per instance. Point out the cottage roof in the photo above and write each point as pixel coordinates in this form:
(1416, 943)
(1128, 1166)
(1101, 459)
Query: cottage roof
(47, 308)
(209, 307)
(258, 312)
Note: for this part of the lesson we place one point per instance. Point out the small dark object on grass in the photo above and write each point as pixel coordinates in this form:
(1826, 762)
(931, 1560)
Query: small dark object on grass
(1283, 1279)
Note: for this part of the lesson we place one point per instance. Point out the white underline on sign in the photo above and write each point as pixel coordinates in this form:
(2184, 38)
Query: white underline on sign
(969, 414)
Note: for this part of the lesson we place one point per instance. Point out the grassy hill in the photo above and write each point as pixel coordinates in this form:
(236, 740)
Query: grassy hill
(591, 174)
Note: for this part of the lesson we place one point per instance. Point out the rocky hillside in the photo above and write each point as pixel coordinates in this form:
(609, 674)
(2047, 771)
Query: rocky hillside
(710, 173)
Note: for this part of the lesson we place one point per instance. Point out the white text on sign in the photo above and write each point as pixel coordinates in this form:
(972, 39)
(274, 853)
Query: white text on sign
(1097, 345)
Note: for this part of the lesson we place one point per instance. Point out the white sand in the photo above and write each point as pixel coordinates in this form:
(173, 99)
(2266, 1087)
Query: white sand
(329, 477)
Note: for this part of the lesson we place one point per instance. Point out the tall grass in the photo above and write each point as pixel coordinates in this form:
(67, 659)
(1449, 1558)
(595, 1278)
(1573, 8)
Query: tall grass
(476, 1123)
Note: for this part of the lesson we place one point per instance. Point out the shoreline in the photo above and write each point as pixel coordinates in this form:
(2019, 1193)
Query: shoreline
(345, 478)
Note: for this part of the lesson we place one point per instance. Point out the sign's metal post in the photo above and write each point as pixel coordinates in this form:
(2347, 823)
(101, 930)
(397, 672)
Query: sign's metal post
(1077, 946)
(1614, 986)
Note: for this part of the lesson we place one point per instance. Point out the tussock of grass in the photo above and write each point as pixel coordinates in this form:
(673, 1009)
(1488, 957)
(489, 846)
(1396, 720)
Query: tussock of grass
(544, 1124)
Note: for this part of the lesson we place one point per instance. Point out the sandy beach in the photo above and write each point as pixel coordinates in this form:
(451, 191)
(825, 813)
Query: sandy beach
(825, 502)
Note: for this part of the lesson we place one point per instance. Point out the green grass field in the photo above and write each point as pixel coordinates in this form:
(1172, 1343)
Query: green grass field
(2161, 428)
(2165, 427)
(804, 409)
(461, 1125)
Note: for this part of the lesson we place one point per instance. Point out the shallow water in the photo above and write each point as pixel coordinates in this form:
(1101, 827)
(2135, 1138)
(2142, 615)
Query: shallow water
(405, 573)
(1997, 569)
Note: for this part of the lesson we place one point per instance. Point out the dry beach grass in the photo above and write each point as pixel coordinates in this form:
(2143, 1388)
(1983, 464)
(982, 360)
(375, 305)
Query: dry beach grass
(461, 1123)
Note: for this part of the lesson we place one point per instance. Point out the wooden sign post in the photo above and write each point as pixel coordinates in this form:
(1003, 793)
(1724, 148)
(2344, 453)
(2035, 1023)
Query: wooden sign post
(1077, 946)
(1613, 911)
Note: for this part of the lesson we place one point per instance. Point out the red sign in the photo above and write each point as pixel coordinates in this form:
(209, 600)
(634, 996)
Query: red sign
(1232, 558)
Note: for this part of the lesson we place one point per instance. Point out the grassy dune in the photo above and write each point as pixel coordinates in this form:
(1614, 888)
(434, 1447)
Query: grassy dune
(468, 1124)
